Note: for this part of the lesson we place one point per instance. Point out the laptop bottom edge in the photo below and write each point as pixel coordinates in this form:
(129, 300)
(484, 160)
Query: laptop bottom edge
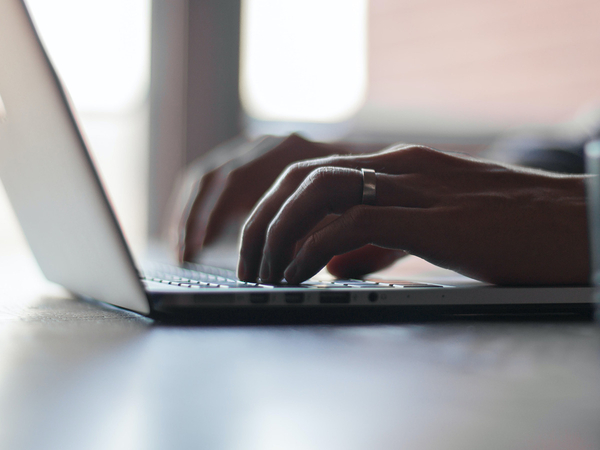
(359, 314)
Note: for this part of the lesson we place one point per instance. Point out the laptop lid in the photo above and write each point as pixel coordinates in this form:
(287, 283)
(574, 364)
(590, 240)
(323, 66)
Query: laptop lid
(50, 178)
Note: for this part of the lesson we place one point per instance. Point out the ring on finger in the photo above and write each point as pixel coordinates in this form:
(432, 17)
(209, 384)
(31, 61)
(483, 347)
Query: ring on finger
(369, 192)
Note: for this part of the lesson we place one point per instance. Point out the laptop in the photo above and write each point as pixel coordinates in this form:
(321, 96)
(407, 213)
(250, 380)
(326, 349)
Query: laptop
(69, 223)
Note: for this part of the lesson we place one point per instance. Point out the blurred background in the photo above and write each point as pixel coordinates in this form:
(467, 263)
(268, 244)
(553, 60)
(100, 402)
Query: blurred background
(157, 83)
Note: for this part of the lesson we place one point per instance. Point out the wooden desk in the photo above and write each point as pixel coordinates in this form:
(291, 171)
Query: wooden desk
(76, 375)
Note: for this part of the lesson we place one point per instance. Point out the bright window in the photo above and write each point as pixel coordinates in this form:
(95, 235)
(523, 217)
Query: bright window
(454, 65)
(303, 60)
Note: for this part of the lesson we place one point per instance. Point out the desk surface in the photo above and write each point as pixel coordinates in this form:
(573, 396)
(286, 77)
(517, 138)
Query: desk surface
(77, 375)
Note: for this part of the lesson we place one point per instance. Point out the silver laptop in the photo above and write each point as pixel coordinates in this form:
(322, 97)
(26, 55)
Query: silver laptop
(73, 232)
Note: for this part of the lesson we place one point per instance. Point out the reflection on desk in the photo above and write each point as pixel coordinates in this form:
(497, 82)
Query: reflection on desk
(77, 375)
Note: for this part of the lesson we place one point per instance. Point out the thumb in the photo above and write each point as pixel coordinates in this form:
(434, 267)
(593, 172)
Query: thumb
(362, 261)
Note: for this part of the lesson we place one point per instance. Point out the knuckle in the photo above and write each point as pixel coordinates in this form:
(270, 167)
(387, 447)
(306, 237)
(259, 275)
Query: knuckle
(359, 217)
(295, 167)
(294, 138)
(420, 151)
(296, 172)
(356, 215)
(318, 175)
(312, 241)
(322, 177)
(292, 144)
(233, 176)
(293, 170)
(205, 181)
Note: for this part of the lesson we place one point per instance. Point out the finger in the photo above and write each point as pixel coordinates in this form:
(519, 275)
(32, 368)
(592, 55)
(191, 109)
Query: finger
(200, 204)
(209, 190)
(367, 259)
(399, 159)
(390, 227)
(327, 190)
(180, 201)
(256, 171)
(231, 203)
(243, 188)
(254, 231)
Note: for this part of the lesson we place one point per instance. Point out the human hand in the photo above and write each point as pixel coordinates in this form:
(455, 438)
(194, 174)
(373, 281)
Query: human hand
(492, 222)
(226, 191)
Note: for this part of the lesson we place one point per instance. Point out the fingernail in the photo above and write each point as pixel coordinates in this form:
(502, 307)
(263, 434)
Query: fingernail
(292, 269)
(265, 269)
(290, 272)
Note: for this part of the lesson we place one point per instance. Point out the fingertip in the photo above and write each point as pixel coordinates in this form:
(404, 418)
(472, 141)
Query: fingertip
(208, 238)
(180, 255)
(301, 273)
(290, 275)
(189, 253)
(242, 271)
(265, 270)
(246, 271)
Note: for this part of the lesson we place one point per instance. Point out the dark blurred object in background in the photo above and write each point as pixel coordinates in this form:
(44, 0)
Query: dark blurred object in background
(558, 148)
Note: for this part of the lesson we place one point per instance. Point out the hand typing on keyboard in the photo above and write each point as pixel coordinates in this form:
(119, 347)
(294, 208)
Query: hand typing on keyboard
(222, 191)
(497, 223)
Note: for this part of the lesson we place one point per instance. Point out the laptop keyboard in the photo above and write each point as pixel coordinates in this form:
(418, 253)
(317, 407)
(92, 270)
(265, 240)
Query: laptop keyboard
(199, 276)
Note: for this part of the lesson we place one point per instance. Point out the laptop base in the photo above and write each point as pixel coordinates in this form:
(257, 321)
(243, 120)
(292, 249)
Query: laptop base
(382, 314)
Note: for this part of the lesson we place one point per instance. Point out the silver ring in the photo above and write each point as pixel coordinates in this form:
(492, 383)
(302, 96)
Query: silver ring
(369, 193)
